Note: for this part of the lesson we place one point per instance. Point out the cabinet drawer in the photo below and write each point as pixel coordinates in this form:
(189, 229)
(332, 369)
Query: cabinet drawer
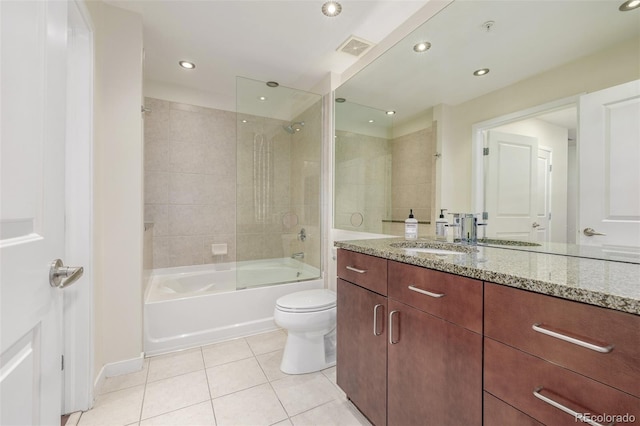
(510, 315)
(498, 413)
(516, 377)
(367, 271)
(451, 297)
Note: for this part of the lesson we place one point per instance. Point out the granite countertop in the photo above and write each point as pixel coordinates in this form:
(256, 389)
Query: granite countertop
(605, 283)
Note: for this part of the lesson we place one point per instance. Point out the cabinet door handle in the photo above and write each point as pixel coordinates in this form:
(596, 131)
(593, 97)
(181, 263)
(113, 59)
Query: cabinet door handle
(428, 293)
(577, 416)
(602, 349)
(360, 271)
(375, 320)
(391, 327)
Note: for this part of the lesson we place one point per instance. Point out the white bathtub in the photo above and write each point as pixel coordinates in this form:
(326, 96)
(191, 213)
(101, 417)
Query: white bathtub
(197, 305)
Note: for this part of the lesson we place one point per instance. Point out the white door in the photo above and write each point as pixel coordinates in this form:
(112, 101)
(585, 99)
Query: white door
(609, 161)
(511, 186)
(32, 227)
(541, 227)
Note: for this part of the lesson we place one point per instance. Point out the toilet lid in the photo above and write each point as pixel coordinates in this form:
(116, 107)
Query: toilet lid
(307, 301)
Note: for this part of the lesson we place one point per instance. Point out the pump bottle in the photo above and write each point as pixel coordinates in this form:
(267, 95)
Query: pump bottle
(411, 227)
(441, 226)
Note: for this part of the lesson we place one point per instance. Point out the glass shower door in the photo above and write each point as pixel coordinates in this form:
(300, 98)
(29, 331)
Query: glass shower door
(279, 148)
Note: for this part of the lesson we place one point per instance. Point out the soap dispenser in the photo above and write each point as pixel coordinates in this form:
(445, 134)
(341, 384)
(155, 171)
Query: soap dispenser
(411, 227)
(441, 226)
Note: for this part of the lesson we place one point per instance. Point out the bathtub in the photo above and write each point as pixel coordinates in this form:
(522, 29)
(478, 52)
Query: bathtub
(197, 305)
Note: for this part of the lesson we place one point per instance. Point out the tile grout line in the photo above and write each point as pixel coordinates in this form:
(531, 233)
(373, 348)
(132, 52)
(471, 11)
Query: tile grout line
(144, 392)
(213, 410)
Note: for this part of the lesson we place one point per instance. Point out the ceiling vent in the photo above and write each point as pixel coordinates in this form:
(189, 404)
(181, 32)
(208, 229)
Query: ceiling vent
(355, 46)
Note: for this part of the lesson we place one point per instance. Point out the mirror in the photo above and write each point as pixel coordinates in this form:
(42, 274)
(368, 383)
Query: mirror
(541, 57)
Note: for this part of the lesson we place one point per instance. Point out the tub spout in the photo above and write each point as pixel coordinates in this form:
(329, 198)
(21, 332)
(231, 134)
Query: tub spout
(299, 255)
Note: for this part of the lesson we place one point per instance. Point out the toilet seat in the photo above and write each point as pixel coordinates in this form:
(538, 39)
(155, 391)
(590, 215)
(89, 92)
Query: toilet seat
(307, 301)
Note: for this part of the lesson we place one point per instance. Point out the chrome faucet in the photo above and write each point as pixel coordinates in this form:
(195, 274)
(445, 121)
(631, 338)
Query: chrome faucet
(299, 255)
(302, 235)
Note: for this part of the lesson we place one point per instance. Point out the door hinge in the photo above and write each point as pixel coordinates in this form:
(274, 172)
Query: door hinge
(485, 151)
(550, 167)
(485, 215)
(549, 216)
(61, 362)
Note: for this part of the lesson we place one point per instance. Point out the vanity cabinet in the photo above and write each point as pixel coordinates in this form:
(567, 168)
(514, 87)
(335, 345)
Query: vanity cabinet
(548, 357)
(362, 333)
(409, 348)
(434, 367)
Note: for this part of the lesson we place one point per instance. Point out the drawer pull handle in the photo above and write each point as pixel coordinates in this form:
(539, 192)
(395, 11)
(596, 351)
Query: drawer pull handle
(577, 416)
(602, 349)
(375, 320)
(391, 341)
(360, 271)
(428, 293)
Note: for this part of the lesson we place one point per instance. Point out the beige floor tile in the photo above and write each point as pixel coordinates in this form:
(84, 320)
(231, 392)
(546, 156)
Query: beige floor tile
(330, 373)
(234, 376)
(221, 353)
(270, 363)
(284, 423)
(74, 418)
(120, 407)
(303, 392)
(195, 415)
(175, 364)
(174, 393)
(252, 407)
(267, 342)
(126, 380)
(335, 413)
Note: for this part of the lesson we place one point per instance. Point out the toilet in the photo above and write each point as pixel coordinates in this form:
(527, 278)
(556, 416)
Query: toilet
(310, 320)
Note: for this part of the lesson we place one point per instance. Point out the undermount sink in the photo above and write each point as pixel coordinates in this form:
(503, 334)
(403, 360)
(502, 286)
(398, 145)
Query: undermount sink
(433, 247)
(439, 252)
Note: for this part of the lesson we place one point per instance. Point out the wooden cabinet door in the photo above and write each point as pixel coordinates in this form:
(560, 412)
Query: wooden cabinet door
(361, 365)
(434, 370)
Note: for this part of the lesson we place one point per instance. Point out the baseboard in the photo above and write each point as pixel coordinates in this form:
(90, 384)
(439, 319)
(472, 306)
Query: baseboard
(117, 369)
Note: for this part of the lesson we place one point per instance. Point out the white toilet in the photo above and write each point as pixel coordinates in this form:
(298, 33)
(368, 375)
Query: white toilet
(310, 320)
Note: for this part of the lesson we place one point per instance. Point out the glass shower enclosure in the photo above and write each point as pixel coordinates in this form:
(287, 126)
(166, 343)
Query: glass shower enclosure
(278, 194)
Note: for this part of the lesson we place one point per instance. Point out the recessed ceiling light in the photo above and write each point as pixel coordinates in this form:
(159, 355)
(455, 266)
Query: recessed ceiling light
(629, 5)
(370, 121)
(186, 64)
(422, 47)
(481, 71)
(262, 98)
(331, 8)
(273, 84)
(244, 121)
(340, 100)
(390, 112)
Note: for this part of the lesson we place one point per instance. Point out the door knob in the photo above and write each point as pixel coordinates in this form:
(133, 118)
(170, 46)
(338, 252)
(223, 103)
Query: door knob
(590, 232)
(535, 225)
(61, 276)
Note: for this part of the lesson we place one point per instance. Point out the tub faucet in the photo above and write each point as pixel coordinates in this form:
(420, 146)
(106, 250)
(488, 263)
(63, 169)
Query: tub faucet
(299, 255)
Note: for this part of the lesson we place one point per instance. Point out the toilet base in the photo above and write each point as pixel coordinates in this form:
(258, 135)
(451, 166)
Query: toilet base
(308, 352)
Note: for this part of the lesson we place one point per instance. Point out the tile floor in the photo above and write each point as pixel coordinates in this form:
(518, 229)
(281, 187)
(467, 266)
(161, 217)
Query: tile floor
(238, 382)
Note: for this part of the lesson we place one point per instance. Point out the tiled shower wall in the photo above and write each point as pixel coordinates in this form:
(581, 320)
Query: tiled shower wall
(190, 176)
(383, 179)
(413, 179)
(197, 187)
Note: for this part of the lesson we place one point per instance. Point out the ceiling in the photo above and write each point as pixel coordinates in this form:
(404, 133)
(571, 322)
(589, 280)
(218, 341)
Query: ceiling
(290, 42)
(526, 38)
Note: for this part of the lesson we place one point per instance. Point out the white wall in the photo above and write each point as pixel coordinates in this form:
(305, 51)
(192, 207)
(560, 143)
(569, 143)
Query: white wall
(118, 184)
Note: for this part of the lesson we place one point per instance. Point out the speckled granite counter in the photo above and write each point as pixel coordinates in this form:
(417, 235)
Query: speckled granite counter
(614, 285)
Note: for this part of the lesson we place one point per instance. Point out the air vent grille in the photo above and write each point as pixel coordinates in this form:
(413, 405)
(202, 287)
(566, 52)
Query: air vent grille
(355, 46)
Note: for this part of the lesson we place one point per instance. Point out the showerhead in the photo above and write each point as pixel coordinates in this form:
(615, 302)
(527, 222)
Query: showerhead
(294, 127)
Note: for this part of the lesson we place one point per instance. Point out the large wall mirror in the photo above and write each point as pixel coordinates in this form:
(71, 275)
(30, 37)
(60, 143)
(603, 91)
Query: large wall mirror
(542, 61)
